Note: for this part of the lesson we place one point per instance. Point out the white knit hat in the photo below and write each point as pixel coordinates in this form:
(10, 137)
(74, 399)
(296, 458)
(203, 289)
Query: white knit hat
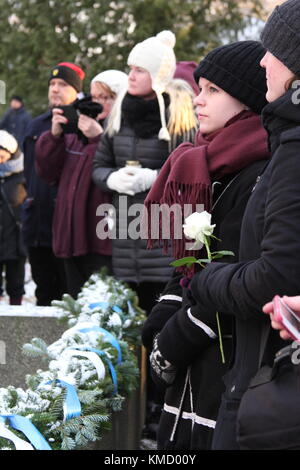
(8, 142)
(156, 55)
(116, 80)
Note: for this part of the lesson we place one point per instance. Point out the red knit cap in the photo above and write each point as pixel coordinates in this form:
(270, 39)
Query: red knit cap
(185, 70)
(71, 73)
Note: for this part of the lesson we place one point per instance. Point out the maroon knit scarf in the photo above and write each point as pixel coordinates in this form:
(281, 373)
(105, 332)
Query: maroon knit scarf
(188, 174)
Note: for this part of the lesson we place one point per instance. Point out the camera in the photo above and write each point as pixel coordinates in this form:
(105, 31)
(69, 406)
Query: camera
(83, 105)
(285, 315)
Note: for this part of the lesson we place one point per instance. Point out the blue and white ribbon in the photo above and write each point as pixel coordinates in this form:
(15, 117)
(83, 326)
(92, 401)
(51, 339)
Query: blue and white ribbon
(108, 337)
(106, 305)
(20, 444)
(71, 406)
(23, 424)
(131, 310)
(98, 353)
(89, 354)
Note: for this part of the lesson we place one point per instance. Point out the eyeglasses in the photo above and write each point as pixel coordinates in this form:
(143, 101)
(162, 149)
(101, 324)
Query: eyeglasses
(102, 98)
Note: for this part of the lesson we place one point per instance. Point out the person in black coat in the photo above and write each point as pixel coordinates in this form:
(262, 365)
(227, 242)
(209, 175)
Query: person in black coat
(195, 382)
(12, 194)
(16, 119)
(270, 235)
(47, 271)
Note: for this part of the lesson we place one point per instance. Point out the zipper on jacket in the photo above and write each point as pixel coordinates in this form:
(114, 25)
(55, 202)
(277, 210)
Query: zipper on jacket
(256, 182)
(135, 141)
(224, 190)
(135, 247)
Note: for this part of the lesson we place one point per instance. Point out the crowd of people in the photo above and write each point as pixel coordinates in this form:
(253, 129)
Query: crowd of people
(223, 133)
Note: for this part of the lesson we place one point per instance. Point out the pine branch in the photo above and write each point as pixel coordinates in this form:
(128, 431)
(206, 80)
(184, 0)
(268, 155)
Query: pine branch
(36, 348)
(68, 443)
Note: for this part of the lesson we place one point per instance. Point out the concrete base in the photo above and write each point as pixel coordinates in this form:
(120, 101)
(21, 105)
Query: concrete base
(18, 325)
(127, 425)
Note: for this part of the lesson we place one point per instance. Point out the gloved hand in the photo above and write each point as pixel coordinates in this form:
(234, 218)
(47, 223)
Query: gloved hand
(143, 179)
(162, 372)
(121, 181)
(131, 180)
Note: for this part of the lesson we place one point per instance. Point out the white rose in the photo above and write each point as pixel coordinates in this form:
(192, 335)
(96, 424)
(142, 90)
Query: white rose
(198, 226)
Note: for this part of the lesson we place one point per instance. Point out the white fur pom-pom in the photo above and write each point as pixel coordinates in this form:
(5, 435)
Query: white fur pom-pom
(167, 37)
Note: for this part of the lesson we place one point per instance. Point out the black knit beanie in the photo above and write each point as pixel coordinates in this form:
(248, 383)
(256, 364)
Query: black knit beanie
(71, 73)
(281, 34)
(236, 69)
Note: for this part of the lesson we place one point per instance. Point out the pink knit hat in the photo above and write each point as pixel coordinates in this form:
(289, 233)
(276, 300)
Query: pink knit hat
(185, 71)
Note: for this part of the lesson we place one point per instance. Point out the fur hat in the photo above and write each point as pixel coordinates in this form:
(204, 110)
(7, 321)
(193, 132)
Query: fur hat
(8, 142)
(156, 55)
(116, 80)
(70, 73)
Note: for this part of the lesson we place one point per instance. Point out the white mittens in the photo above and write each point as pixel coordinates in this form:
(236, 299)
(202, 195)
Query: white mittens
(120, 181)
(143, 179)
(131, 180)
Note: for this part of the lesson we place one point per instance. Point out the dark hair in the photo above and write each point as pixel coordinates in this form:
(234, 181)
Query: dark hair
(290, 82)
(17, 98)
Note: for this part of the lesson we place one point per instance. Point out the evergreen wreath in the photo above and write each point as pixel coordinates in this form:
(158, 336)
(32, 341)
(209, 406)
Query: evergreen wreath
(43, 402)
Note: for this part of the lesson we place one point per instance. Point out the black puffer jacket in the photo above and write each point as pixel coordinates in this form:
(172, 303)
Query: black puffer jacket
(136, 140)
(12, 195)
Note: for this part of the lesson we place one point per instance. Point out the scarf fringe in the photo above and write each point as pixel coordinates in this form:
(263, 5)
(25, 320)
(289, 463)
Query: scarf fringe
(182, 197)
(187, 176)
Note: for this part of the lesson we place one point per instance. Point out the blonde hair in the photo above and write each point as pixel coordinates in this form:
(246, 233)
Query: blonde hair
(103, 88)
(114, 118)
(182, 120)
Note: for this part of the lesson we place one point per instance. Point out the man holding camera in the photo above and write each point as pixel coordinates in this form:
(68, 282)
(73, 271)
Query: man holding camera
(65, 82)
(64, 156)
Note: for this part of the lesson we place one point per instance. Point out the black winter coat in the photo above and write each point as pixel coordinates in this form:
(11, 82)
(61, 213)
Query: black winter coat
(268, 264)
(132, 262)
(195, 395)
(12, 194)
(15, 121)
(38, 208)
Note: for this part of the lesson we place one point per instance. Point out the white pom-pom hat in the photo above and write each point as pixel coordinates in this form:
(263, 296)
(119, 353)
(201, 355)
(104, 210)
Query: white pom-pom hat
(8, 142)
(156, 55)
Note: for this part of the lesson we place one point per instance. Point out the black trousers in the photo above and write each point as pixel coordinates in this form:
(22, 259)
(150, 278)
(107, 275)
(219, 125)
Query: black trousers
(79, 268)
(14, 277)
(48, 274)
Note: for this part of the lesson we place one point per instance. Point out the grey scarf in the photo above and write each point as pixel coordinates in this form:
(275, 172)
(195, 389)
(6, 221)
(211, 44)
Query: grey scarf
(14, 165)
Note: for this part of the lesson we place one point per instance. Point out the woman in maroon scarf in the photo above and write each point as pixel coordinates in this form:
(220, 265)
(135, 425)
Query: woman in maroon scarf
(219, 172)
